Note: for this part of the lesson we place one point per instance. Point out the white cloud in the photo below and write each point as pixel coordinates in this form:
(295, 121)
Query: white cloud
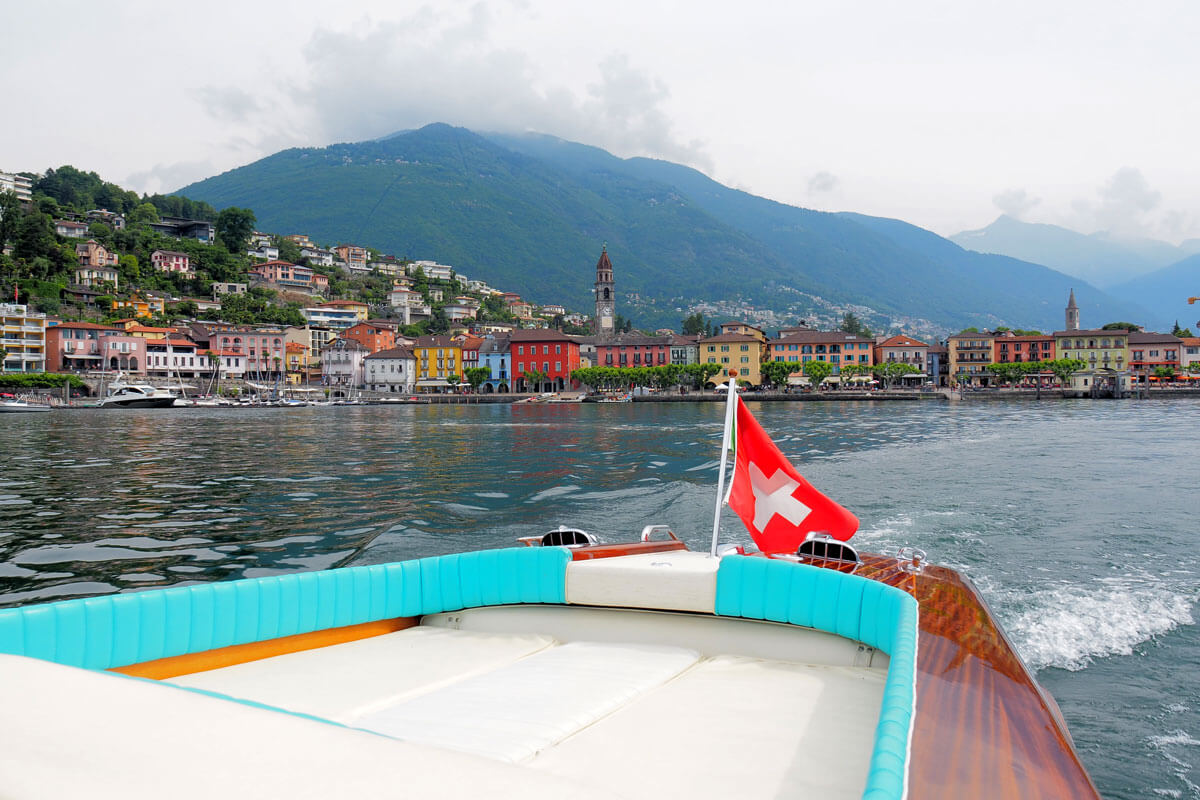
(822, 182)
(382, 77)
(1016, 203)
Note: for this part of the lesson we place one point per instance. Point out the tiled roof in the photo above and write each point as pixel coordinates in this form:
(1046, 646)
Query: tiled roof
(395, 352)
(635, 340)
(435, 341)
(1092, 332)
(818, 337)
(902, 341)
(539, 335)
(730, 337)
(1137, 337)
(87, 326)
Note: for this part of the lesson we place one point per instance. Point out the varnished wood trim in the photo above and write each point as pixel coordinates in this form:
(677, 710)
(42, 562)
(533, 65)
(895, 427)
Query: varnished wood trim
(629, 549)
(163, 668)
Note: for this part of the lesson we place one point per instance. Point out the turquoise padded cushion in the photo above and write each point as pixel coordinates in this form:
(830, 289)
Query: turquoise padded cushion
(121, 629)
(850, 606)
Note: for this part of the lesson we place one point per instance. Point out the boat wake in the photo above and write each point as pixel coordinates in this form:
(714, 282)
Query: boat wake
(1067, 627)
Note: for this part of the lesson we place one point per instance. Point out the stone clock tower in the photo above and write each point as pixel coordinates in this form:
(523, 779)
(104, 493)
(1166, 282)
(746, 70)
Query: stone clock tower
(604, 323)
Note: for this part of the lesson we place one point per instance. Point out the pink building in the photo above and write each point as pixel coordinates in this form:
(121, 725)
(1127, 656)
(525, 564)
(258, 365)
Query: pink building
(124, 353)
(287, 275)
(264, 350)
(634, 350)
(76, 346)
(171, 261)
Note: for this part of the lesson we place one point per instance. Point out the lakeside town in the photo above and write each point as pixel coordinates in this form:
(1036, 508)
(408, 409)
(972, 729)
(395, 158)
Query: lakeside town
(344, 319)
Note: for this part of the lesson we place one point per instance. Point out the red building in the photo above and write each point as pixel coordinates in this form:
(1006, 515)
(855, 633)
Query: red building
(375, 336)
(634, 350)
(547, 351)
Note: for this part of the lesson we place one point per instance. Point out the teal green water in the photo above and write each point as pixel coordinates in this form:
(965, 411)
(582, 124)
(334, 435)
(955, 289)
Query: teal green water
(1078, 520)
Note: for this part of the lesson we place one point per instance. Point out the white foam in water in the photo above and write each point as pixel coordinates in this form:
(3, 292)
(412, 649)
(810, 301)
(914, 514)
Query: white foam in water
(1068, 626)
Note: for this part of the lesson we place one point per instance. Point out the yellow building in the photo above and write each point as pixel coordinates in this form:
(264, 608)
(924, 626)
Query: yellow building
(970, 354)
(743, 352)
(361, 310)
(1100, 349)
(23, 338)
(438, 358)
(142, 307)
(743, 329)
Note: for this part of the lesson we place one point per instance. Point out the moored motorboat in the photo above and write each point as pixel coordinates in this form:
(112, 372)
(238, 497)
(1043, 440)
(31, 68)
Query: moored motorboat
(11, 404)
(137, 395)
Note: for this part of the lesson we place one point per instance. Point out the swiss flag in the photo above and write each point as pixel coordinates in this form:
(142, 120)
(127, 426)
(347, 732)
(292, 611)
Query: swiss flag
(777, 506)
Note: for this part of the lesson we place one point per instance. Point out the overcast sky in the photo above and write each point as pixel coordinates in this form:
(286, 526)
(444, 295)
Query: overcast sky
(943, 114)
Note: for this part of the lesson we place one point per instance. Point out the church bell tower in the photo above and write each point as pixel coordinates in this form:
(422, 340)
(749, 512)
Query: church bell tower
(604, 323)
(1072, 313)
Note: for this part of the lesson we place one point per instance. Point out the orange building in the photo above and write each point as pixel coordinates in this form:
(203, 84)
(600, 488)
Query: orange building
(374, 336)
(1008, 348)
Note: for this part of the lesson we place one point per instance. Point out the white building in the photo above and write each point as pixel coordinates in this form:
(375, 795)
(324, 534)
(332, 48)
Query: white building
(336, 318)
(410, 304)
(268, 252)
(1189, 352)
(23, 337)
(19, 185)
(316, 255)
(70, 229)
(433, 270)
(93, 277)
(393, 370)
(457, 311)
(342, 363)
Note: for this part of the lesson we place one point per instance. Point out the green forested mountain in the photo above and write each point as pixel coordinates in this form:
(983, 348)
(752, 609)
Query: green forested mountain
(529, 213)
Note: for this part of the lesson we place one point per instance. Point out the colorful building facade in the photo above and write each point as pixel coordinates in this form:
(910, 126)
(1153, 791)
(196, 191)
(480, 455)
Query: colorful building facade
(737, 351)
(551, 353)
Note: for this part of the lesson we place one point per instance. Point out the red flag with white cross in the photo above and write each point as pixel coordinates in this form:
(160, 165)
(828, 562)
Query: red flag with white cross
(775, 503)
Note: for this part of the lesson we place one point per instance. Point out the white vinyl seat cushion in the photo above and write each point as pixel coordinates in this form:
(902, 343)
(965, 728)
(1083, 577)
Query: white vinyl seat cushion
(760, 728)
(517, 711)
(70, 732)
(345, 681)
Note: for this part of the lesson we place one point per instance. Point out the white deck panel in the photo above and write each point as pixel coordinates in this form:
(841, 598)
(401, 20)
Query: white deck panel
(734, 727)
(345, 681)
(675, 580)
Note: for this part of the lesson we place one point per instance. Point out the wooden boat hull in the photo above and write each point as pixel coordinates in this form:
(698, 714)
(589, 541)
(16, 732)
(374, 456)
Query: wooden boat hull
(979, 725)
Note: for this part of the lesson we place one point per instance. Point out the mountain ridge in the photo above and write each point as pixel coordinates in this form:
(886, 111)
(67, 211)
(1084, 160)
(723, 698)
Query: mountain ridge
(529, 213)
(1101, 258)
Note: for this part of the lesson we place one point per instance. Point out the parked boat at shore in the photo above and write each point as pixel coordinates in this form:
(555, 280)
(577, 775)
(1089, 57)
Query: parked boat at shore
(137, 395)
(13, 405)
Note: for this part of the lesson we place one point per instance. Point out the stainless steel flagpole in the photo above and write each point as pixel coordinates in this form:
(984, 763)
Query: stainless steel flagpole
(726, 441)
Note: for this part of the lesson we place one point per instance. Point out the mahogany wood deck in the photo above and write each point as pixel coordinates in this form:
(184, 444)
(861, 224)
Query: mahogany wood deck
(984, 727)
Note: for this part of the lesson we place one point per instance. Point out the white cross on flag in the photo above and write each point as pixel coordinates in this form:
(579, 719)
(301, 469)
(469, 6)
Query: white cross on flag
(775, 503)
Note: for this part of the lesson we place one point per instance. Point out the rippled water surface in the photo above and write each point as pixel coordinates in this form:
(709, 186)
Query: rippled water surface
(1078, 520)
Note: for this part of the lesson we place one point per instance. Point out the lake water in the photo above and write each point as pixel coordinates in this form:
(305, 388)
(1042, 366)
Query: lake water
(1077, 519)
